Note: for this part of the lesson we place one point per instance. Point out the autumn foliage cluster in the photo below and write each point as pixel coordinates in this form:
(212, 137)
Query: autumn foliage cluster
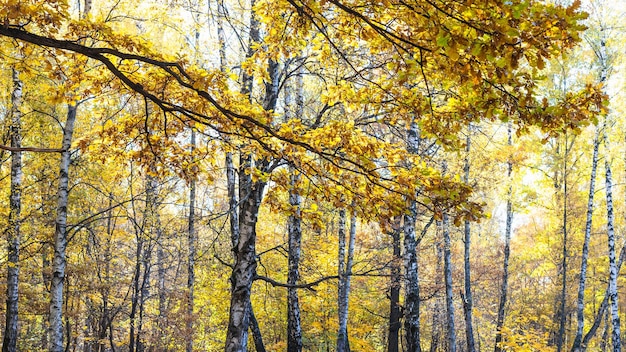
(298, 175)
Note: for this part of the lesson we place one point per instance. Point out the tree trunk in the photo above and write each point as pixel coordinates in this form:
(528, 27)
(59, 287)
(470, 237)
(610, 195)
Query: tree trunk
(60, 238)
(259, 346)
(9, 342)
(250, 196)
(507, 251)
(467, 297)
(105, 323)
(141, 276)
(342, 333)
(585, 252)
(615, 321)
(562, 316)
(47, 283)
(244, 268)
(447, 262)
(605, 333)
(191, 257)
(144, 293)
(603, 306)
(294, 330)
(394, 291)
(412, 294)
(294, 104)
(437, 323)
(345, 273)
(135, 291)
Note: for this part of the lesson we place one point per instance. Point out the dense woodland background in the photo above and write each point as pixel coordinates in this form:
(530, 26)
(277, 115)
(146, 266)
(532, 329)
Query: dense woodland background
(296, 175)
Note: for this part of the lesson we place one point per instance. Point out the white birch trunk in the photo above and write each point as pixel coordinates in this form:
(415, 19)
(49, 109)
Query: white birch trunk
(613, 298)
(412, 288)
(241, 315)
(60, 238)
(585, 251)
(447, 262)
(244, 269)
(345, 272)
(294, 328)
(191, 255)
(342, 333)
(603, 306)
(13, 231)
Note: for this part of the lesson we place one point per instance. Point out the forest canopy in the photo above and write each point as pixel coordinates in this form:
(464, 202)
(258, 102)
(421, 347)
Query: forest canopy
(310, 175)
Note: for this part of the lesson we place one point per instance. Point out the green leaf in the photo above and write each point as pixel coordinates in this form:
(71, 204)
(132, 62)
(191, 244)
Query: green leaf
(442, 41)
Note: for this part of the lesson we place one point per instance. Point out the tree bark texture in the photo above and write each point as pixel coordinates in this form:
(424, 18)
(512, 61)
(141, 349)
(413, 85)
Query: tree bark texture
(576, 347)
(603, 306)
(259, 346)
(613, 301)
(191, 255)
(9, 342)
(447, 262)
(294, 330)
(244, 235)
(294, 104)
(412, 288)
(60, 238)
(342, 333)
(244, 269)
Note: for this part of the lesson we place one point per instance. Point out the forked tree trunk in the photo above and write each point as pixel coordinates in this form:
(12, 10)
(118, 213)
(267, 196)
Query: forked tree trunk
(9, 342)
(603, 306)
(507, 251)
(60, 238)
(576, 347)
(250, 197)
(244, 269)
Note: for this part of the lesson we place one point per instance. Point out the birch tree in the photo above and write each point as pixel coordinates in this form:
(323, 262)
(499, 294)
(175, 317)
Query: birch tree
(447, 269)
(412, 288)
(580, 318)
(60, 237)
(9, 342)
(612, 293)
(294, 104)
